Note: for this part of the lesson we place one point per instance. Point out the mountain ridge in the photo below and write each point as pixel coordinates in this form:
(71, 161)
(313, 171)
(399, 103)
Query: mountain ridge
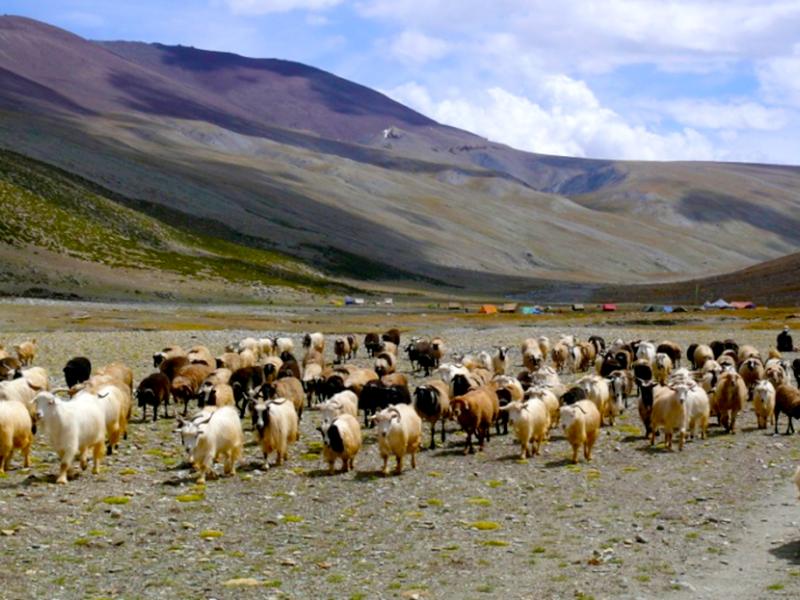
(298, 159)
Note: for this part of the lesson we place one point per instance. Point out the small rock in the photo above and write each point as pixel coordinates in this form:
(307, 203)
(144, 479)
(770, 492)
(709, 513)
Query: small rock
(641, 539)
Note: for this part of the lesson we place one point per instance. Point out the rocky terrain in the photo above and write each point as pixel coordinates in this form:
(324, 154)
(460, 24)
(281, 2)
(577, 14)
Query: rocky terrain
(719, 519)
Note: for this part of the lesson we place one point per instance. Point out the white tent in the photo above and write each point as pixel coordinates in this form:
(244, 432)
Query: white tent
(718, 304)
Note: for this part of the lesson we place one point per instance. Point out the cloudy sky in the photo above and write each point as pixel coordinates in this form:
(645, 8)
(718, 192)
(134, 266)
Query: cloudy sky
(633, 79)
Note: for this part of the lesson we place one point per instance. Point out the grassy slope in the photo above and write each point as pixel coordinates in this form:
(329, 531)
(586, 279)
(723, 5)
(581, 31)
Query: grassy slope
(58, 213)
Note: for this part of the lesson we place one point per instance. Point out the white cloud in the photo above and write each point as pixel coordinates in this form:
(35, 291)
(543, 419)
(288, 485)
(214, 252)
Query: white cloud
(780, 78)
(682, 35)
(412, 46)
(726, 116)
(262, 7)
(567, 120)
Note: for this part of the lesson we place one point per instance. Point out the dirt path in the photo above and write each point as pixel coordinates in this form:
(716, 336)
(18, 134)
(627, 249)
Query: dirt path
(765, 562)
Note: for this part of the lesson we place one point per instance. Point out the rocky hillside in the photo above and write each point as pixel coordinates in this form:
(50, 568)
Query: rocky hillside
(284, 156)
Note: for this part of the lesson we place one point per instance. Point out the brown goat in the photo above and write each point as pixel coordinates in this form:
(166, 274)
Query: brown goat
(787, 401)
(729, 399)
(475, 411)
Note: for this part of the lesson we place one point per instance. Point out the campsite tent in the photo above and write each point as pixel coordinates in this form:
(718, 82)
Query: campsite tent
(742, 304)
(718, 304)
(454, 306)
(488, 309)
(667, 309)
(609, 307)
(348, 300)
(509, 307)
(680, 309)
(649, 308)
(577, 307)
(531, 310)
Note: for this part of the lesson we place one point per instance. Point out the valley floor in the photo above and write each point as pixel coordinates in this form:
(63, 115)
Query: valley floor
(718, 520)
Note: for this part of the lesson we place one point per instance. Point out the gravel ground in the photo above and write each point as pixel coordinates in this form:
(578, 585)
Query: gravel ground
(635, 523)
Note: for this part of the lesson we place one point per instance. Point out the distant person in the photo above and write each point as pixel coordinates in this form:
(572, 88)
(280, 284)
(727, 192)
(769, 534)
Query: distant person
(785, 343)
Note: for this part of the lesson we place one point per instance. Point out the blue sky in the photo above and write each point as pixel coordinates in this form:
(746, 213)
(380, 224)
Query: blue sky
(633, 79)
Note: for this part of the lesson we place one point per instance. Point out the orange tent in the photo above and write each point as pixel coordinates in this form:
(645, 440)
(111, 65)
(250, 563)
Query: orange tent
(488, 309)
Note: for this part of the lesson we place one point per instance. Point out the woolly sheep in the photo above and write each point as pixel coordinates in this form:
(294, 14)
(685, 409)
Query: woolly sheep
(581, 425)
(531, 423)
(15, 433)
(166, 354)
(26, 352)
(550, 401)
(314, 341)
(211, 436)
(764, 403)
(276, 427)
(345, 402)
(475, 411)
(399, 431)
(341, 439)
(697, 408)
(646, 351)
(432, 403)
(702, 354)
(290, 388)
(283, 344)
(662, 367)
(730, 398)
(153, 391)
(668, 413)
(500, 362)
(77, 370)
(787, 401)
(597, 391)
(73, 428)
(531, 354)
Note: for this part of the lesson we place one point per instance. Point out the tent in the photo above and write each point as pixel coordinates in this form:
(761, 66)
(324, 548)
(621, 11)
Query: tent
(577, 307)
(680, 309)
(742, 304)
(531, 310)
(509, 307)
(348, 300)
(718, 304)
(454, 306)
(667, 309)
(609, 307)
(649, 308)
(488, 309)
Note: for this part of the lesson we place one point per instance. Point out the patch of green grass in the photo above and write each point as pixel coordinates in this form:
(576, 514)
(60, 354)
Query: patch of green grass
(434, 502)
(539, 550)
(494, 483)
(116, 500)
(479, 501)
(335, 578)
(484, 525)
(292, 519)
(128, 471)
(495, 543)
(208, 534)
(81, 541)
(775, 587)
(190, 497)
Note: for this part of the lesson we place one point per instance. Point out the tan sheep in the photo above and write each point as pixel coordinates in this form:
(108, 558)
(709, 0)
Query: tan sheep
(26, 352)
(15, 433)
(531, 423)
(399, 430)
(669, 413)
(341, 439)
(581, 425)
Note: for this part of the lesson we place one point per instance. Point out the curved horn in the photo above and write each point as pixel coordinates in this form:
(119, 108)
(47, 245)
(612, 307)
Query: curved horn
(395, 411)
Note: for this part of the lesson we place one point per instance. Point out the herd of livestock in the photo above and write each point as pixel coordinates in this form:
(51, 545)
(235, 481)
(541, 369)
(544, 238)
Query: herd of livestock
(677, 391)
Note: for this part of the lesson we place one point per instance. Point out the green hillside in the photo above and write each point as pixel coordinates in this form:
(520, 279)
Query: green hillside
(53, 211)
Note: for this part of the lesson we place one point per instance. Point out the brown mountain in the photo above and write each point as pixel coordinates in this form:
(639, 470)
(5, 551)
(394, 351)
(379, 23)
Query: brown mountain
(299, 160)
